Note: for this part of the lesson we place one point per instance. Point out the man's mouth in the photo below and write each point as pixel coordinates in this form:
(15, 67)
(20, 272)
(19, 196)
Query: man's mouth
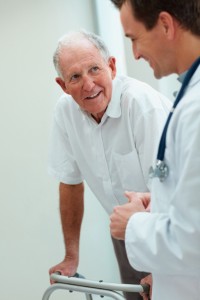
(93, 96)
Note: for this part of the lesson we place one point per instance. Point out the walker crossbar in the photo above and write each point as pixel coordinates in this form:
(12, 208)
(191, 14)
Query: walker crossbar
(90, 287)
(87, 290)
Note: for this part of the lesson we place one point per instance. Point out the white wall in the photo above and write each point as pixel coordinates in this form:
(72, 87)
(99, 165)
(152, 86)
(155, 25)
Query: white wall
(31, 239)
(112, 33)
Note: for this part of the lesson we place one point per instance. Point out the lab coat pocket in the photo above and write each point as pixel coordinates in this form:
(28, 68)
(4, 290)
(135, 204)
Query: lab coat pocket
(129, 171)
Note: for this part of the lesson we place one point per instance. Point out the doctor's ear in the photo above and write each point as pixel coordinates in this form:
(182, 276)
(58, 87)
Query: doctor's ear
(168, 23)
(61, 83)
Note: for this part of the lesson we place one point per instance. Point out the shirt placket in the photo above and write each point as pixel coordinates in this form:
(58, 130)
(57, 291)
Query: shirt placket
(102, 165)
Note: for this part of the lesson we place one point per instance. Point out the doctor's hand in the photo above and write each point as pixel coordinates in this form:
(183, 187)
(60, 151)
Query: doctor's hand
(138, 202)
(147, 280)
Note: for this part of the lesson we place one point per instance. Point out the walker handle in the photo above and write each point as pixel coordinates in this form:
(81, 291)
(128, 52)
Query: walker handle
(76, 275)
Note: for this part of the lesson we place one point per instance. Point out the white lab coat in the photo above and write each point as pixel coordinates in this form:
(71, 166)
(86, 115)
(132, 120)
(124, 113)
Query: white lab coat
(166, 242)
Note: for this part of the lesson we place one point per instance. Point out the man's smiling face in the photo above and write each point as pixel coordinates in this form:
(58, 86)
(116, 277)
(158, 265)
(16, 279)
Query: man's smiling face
(87, 77)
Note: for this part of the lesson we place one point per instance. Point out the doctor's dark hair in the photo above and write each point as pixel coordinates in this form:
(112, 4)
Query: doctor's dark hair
(186, 12)
(69, 39)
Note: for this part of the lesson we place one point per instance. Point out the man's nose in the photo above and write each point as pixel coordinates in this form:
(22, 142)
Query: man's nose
(88, 83)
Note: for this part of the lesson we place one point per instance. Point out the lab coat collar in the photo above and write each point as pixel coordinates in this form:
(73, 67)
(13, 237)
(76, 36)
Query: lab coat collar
(182, 77)
(195, 78)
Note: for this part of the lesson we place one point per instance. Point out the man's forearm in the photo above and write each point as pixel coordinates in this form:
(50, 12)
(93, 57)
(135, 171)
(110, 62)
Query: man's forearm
(71, 212)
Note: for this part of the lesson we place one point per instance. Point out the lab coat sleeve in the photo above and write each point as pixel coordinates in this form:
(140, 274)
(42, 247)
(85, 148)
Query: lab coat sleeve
(168, 240)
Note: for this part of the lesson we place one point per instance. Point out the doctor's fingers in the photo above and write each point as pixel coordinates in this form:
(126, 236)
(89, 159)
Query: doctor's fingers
(131, 196)
(118, 224)
(117, 233)
(145, 296)
(148, 208)
(142, 197)
(146, 200)
(122, 213)
(148, 281)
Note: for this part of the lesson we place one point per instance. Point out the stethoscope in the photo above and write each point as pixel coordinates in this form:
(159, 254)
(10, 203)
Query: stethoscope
(161, 169)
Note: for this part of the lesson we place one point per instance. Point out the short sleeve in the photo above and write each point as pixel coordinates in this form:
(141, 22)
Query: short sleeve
(61, 163)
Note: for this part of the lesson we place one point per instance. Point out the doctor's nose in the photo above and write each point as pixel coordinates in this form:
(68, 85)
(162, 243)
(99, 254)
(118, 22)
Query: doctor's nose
(135, 51)
(88, 83)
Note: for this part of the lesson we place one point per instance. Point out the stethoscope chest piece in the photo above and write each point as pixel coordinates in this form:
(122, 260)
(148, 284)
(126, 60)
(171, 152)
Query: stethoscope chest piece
(160, 171)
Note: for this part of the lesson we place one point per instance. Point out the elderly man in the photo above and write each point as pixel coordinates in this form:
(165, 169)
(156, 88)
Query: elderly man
(166, 33)
(106, 131)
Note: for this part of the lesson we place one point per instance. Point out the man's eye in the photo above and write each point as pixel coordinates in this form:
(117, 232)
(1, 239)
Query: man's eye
(74, 77)
(95, 69)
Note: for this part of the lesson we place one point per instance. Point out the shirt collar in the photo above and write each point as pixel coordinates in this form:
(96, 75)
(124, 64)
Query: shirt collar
(114, 106)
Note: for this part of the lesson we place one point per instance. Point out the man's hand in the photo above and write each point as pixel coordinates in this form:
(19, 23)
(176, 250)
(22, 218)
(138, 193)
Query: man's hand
(138, 202)
(147, 280)
(67, 267)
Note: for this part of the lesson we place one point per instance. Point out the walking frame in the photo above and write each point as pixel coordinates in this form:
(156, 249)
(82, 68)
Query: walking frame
(78, 283)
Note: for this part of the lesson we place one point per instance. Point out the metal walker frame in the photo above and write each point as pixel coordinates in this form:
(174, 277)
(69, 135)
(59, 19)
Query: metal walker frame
(79, 284)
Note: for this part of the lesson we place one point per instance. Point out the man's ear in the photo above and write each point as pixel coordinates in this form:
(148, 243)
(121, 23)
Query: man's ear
(168, 24)
(61, 83)
(112, 65)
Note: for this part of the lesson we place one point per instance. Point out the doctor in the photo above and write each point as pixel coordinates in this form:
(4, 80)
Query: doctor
(166, 241)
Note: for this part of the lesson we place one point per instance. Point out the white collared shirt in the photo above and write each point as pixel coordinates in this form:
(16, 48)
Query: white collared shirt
(114, 155)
